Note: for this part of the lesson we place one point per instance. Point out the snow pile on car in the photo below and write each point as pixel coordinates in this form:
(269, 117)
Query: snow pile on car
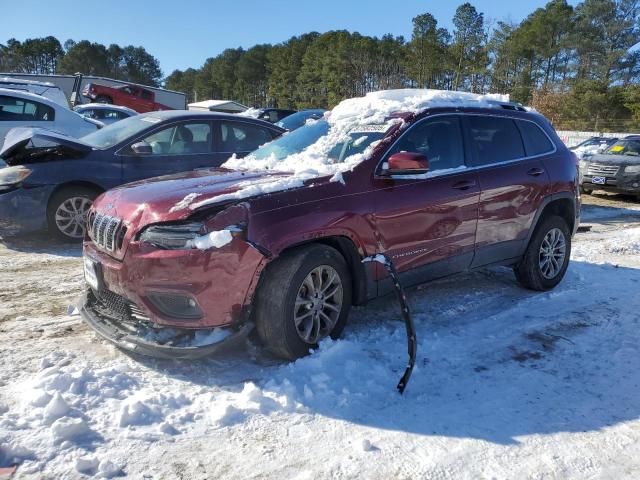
(373, 109)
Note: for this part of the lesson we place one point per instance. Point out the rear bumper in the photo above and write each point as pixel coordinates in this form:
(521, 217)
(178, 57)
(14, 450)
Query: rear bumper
(142, 339)
(24, 210)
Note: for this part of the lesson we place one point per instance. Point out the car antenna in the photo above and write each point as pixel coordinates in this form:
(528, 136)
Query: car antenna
(412, 344)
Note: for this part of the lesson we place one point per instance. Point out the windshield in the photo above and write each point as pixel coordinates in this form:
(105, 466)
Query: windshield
(624, 147)
(318, 139)
(590, 142)
(120, 131)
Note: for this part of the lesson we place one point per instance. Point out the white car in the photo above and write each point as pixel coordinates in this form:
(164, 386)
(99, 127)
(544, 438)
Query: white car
(45, 89)
(23, 109)
(104, 112)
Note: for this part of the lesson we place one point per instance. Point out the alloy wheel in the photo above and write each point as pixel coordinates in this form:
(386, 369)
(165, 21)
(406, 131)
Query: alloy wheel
(318, 304)
(71, 215)
(552, 253)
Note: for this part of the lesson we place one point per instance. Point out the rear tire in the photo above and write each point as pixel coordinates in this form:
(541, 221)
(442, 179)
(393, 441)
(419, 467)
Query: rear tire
(103, 99)
(546, 259)
(67, 212)
(305, 296)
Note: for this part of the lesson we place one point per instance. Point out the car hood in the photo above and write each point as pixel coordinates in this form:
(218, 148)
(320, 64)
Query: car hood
(32, 145)
(174, 197)
(614, 159)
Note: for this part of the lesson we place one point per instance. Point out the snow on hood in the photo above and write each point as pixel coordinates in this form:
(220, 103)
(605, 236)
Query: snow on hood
(373, 111)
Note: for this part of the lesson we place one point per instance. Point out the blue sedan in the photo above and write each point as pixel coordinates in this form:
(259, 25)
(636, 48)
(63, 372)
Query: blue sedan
(49, 180)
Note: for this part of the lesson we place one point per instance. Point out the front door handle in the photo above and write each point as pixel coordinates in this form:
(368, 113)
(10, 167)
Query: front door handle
(535, 172)
(464, 184)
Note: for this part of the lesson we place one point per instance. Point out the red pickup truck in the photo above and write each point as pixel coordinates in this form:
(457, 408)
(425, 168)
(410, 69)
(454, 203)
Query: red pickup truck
(139, 99)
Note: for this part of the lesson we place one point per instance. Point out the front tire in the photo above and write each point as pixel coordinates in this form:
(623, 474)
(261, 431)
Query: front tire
(67, 213)
(546, 259)
(304, 297)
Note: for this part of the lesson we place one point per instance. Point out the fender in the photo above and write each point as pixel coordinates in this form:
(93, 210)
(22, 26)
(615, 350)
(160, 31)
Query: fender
(545, 202)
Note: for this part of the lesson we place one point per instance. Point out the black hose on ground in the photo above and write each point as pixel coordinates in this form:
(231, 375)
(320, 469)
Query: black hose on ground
(412, 344)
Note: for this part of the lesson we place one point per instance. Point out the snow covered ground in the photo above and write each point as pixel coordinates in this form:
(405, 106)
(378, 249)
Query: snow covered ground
(508, 384)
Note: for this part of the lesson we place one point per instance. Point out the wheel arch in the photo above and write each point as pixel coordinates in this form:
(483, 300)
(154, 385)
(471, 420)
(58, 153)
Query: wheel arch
(560, 204)
(76, 183)
(362, 282)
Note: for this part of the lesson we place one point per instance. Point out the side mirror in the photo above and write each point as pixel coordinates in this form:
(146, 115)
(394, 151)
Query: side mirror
(407, 163)
(142, 148)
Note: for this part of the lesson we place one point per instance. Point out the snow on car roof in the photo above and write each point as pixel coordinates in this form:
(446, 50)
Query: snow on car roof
(375, 108)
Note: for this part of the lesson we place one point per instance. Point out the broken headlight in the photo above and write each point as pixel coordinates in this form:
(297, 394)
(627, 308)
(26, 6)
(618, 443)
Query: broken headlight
(172, 237)
(12, 176)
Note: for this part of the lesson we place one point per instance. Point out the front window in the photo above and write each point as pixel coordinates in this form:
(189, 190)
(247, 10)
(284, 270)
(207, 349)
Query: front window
(439, 139)
(120, 131)
(624, 147)
(181, 139)
(316, 142)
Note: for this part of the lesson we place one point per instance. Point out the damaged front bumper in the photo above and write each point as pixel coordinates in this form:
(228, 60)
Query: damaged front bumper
(141, 337)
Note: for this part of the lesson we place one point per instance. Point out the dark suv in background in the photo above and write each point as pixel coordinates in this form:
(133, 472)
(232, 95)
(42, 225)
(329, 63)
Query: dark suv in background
(617, 169)
(437, 190)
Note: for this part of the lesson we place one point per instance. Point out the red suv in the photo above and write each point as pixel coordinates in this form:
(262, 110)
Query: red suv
(179, 266)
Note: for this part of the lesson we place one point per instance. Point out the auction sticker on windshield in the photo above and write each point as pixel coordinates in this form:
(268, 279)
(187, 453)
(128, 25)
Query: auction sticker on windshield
(91, 273)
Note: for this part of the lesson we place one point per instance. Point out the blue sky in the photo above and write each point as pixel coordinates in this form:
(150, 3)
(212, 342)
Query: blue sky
(185, 33)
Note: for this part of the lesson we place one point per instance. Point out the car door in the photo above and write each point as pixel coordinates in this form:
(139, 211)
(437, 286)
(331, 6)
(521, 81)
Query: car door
(19, 112)
(146, 99)
(239, 138)
(513, 183)
(427, 225)
(178, 147)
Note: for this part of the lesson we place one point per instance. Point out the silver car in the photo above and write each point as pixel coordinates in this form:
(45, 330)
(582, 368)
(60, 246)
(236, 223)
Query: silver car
(105, 113)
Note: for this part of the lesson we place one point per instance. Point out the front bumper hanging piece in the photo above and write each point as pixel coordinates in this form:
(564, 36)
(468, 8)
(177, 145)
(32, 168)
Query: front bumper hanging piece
(412, 344)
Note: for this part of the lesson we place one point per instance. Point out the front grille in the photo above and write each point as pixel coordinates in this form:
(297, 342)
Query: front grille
(106, 231)
(602, 170)
(112, 305)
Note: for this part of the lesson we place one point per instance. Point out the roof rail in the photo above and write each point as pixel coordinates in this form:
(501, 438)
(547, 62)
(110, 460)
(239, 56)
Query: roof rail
(508, 105)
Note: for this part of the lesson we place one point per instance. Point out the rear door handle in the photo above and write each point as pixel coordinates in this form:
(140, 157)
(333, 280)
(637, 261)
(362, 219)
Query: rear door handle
(535, 172)
(464, 184)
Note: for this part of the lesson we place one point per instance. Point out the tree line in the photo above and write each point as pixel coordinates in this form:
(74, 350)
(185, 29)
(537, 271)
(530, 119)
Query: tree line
(576, 64)
(48, 56)
(579, 65)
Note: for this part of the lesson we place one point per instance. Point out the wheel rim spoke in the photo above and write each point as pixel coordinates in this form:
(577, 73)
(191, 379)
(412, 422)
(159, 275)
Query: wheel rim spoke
(70, 216)
(552, 255)
(318, 304)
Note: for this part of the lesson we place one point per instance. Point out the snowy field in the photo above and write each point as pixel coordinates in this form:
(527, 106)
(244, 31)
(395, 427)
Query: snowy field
(509, 384)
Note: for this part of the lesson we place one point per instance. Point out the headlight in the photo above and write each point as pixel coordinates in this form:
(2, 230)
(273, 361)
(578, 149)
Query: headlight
(11, 176)
(583, 164)
(633, 169)
(172, 237)
(187, 236)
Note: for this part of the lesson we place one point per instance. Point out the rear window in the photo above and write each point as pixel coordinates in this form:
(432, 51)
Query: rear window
(495, 139)
(15, 109)
(535, 140)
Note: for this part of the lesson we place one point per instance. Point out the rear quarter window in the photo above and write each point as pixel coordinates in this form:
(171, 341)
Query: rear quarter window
(536, 142)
